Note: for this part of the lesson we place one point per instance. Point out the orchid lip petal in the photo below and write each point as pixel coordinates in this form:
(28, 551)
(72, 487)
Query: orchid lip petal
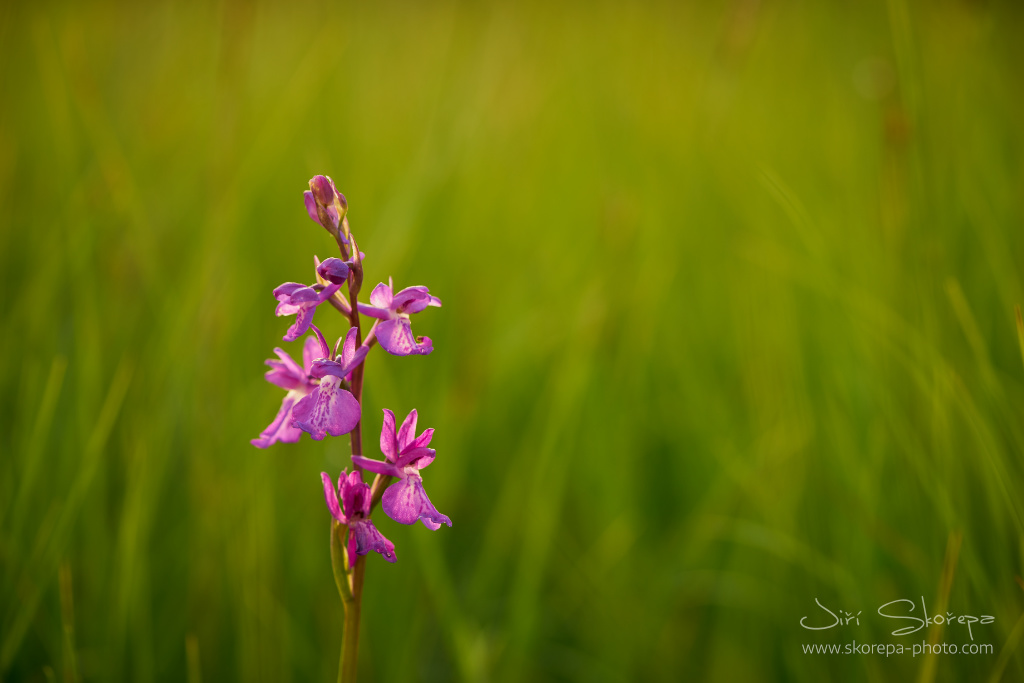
(368, 538)
(329, 409)
(281, 428)
(395, 336)
(303, 319)
(405, 501)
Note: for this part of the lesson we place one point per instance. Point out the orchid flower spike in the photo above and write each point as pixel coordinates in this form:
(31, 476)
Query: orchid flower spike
(395, 332)
(354, 511)
(405, 501)
(288, 375)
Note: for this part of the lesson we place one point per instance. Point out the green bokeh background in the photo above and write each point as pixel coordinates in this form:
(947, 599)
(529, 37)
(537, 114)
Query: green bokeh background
(728, 326)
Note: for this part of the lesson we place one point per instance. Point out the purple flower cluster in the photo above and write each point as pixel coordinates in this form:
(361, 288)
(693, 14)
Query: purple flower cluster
(324, 393)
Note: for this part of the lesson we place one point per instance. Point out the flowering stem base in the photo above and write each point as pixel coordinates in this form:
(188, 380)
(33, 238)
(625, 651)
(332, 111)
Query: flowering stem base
(350, 588)
(350, 641)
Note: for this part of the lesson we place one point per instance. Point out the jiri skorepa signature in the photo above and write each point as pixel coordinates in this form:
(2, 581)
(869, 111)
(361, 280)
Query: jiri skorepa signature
(894, 609)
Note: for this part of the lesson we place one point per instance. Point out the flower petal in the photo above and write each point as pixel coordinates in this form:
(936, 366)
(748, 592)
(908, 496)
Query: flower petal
(376, 466)
(405, 501)
(322, 367)
(285, 291)
(286, 373)
(407, 431)
(327, 292)
(368, 538)
(355, 495)
(417, 458)
(325, 350)
(303, 318)
(328, 410)
(395, 337)
(373, 311)
(332, 498)
(323, 189)
(411, 300)
(311, 350)
(423, 440)
(388, 442)
(381, 296)
(281, 428)
(348, 349)
(424, 346)
(307, 198)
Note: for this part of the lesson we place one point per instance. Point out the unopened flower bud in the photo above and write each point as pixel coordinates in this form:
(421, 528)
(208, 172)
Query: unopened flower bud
(333, 270)
(324, 204)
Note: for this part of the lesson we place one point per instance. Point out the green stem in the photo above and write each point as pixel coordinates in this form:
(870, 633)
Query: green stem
(350, 642)
(339, 533)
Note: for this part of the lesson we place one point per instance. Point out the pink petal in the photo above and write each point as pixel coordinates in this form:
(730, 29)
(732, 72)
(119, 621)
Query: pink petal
(303, 318)
(355, 495)
(367, 538)
(417, 458)
(311, 350)
(395, 337)
(374, 312)
(332, 498)
(307, 198)
(405, 502)
(407, 430)
(348, 349)
(281, 428)
(381, 296)
(423, 440)
(376, 466)
(328, 410)
(410, 300)
(388, 443)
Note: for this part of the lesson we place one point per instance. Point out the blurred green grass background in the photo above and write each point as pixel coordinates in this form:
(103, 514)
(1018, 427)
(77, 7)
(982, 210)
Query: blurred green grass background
(728, 325)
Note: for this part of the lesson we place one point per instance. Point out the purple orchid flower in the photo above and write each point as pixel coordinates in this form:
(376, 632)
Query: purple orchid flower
(325, 205)
(301, 301)
(354, 511)
(395, 332)
(287, 374)
(330, 409)
(405, 501)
